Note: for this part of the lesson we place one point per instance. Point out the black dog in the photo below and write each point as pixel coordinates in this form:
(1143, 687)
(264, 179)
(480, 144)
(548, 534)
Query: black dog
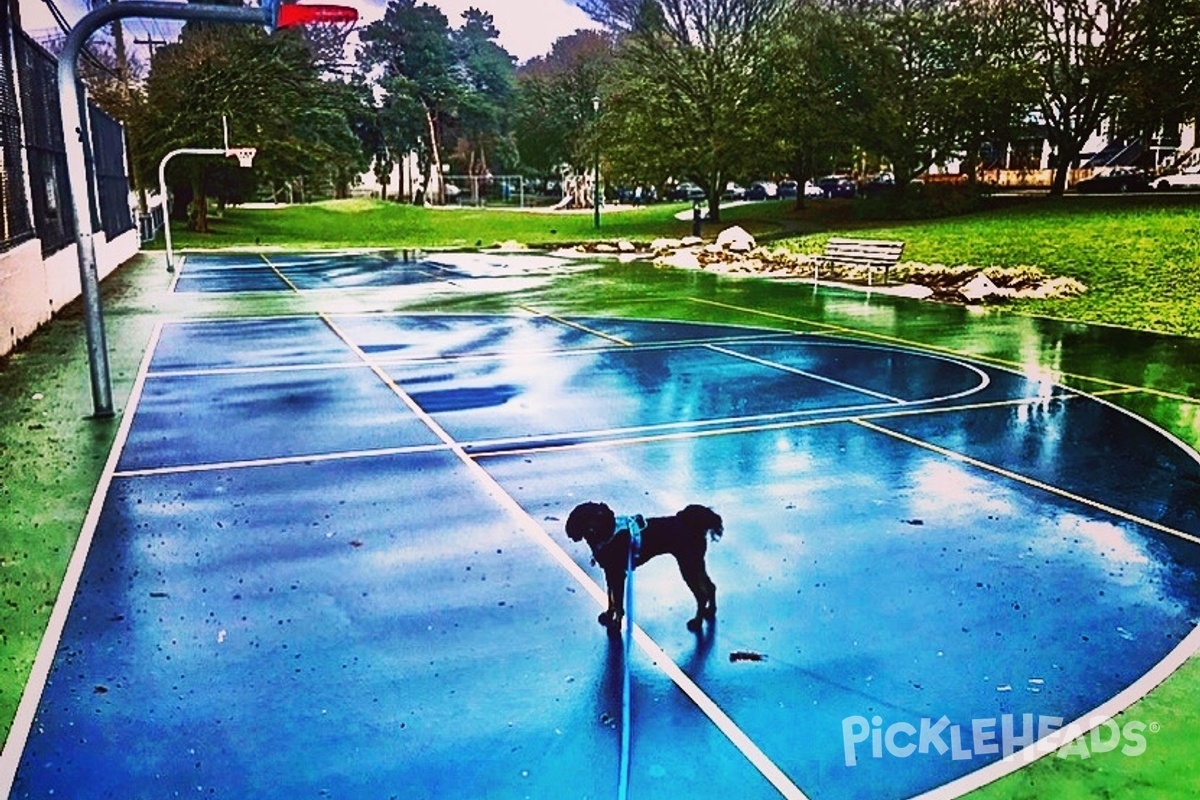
(684, 536)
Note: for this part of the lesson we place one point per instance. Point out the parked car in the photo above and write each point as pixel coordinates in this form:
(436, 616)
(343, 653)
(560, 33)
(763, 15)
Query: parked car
(811, 190)
(1187, 178)
(1116, 179)
(734, 191)
(837, 186)
(762, 190)
(685, 191)
(788, 189)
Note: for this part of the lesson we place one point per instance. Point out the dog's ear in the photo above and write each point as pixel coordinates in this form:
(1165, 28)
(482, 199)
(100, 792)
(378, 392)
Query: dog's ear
(589, 518)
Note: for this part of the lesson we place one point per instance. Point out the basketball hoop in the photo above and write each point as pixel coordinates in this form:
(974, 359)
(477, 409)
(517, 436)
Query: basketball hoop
(325, 28)
(326, 39)
(244, 155)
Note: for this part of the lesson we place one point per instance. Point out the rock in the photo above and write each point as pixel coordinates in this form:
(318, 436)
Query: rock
(665, 244)
(978, 289)
(691, 241)
(625, 246)
(683, 259)
(736, 239)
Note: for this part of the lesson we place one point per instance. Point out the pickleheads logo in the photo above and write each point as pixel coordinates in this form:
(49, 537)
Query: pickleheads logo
(990, 736)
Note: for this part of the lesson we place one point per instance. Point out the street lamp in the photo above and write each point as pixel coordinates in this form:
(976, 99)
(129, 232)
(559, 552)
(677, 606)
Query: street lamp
(596, 185)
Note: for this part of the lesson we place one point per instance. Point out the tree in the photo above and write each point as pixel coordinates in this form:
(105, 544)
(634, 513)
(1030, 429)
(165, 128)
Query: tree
(554, 102)
(269, 90)
(896, 63)
(411, 47)
(487, 89)
(1162, 90)
(992, 90)
(1085, 51)
(687, 82)
(805, 125)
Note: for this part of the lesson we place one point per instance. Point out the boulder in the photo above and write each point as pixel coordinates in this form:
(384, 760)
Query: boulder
(736, 239)
(665, 244)
(978, 289)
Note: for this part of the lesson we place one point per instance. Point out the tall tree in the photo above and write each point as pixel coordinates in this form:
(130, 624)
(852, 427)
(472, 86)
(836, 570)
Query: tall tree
(1085, 50)
(412, 49)
(266, 86)
(487, 88)
(992, 90)
(805, 126)
(1162, 91)
(554, 101)
(687, 81)
(897, 63)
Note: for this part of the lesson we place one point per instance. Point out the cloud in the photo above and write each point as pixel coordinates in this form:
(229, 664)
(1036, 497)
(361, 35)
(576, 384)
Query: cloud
(528, 28)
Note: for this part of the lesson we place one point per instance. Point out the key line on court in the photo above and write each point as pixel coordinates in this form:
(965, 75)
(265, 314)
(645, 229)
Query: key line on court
(939, 348)
(280, 274)
(1028, 481)
(804, 373)
(308, 458)
(491, 355)
(769, 770)
(697, 430)
(576, 325)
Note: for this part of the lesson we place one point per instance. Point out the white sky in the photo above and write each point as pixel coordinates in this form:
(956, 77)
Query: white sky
(527, 28)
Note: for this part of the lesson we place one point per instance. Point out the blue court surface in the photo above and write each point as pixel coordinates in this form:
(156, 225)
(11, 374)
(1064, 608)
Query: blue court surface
(230, 272)
(329, 561)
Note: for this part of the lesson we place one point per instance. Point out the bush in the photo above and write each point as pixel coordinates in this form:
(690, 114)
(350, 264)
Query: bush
(922, 201)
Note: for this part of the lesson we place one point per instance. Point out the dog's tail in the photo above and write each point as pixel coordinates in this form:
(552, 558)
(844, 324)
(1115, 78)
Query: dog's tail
(704, 519)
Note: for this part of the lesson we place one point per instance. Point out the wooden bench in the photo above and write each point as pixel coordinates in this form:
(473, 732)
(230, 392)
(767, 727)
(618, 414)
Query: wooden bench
(870, 253)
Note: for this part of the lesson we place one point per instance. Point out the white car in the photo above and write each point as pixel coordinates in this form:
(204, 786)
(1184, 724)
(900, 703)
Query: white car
(1188, 178)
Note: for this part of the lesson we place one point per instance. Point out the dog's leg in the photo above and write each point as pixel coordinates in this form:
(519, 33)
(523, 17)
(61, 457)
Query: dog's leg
(611, 618)
(710, 609)
(697, 580)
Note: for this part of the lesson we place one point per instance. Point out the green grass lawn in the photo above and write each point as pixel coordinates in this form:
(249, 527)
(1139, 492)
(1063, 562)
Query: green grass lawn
(1138, 256)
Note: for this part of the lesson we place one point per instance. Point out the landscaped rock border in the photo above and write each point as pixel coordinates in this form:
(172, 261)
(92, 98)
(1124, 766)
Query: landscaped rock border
(735, 252)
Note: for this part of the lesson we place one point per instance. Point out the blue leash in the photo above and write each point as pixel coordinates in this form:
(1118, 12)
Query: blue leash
(634, 524)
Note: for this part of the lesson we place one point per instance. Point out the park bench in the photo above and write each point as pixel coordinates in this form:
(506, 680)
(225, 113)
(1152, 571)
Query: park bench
(870, 253)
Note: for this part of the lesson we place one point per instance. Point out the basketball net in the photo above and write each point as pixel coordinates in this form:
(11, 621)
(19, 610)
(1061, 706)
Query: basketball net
(326, 40)
(244, 155)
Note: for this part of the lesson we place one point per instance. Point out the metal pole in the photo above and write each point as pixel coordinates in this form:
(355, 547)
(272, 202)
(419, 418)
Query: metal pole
(79, 155)
(162, 190)
(596, 184)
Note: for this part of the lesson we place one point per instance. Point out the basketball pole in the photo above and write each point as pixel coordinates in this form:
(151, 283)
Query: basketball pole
(79, 155)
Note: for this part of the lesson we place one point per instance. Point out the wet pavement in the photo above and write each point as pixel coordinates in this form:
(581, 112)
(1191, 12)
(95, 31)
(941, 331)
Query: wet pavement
(329, 558)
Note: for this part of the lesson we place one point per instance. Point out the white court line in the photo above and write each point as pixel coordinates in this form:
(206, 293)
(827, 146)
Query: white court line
(1034, 482)
(18, 734)
(484, 448)
(576, 325)
(727, 726)
(932, 348)
(812, 375)
(1115, 705)
(310, 458)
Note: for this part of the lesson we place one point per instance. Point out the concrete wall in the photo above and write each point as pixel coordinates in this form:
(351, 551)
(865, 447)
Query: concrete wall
(33, 289)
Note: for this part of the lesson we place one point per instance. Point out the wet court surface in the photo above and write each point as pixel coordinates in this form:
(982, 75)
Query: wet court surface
(329, 561)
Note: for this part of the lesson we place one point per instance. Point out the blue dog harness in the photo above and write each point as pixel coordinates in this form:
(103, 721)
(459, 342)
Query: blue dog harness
(635, 524)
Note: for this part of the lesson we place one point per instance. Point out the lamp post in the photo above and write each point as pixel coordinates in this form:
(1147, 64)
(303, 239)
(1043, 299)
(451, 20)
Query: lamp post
(596, 185)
